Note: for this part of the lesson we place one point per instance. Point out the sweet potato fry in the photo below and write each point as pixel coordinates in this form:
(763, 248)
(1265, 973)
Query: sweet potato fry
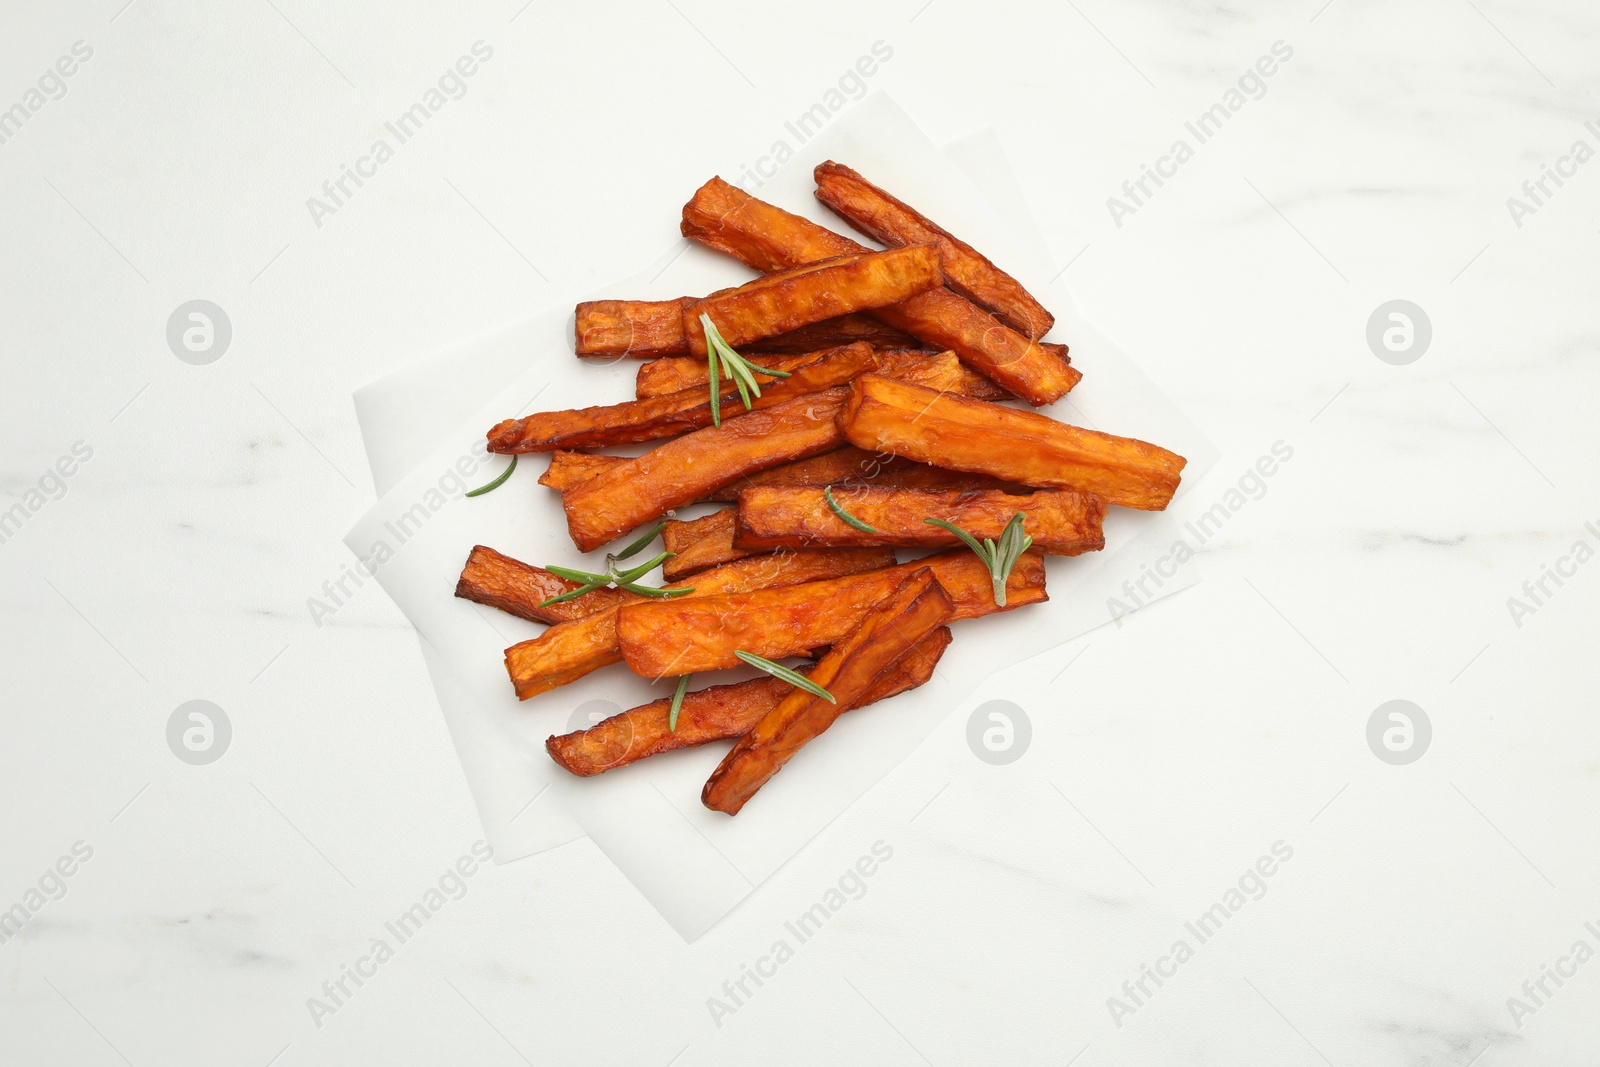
(1020, 446)
(567, 469)
(701, 543)
(642, 329)
(1062, 522)
(848, 464)
(517, 588)
(896, 223)
(689, 468)
(886, 634)
(717, 713)
(672, 414)
(685, 635)
(653, 329)
(936, 370)
(768, 238)
(813, 292)
(568, 651)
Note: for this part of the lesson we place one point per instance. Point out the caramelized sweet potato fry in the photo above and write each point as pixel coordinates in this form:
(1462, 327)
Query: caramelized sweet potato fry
(517, 588)
(896, 223)
(936, 370)
(813, 292)
(568, 651)
(672, 414)
(691, 467)
(701, 543)
(567, 469)
(886, 634)
(849, 464)
(689, 634)
(717, 713)
(1021, 446)
(1062, 522)
(768, 238)
(642, 329)
(653, 329)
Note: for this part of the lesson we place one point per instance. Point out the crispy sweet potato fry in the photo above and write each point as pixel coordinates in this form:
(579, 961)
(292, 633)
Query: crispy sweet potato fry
(568, 651)
(672, 414)
(642, 329)
(769, 239)
(813, 292)
(936, 370)
(848, 464)
(1022, 446)
(896, 223)
(682, 636)
(517, 588)
(886, 634)
(567, 469)
(718, 713)
(689, 468)
(653, 329)
(701, 543)
(1062, 522)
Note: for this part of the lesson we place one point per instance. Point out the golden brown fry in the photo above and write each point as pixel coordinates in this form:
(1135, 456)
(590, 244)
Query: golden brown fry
(831, 333)
(672, 637)
(1062, 522)
(848, 464)
(885, 635)
(812, 293)
(936, 370)
(691, 467)
(568, 651)
(1020, 446)
(717, 713)
(567, 469)
(768, 238)
(895, 223)
(672, 414)
(642, 329)
(701, 543)
(517, 588)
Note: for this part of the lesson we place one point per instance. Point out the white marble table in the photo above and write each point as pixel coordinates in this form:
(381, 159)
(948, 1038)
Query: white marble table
(176, 516)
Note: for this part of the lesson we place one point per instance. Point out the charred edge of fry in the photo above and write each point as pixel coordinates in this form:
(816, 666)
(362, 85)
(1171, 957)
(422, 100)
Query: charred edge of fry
(885, 635)
(891, 221)
(498, 581)
(717, 713)
(1062, 522)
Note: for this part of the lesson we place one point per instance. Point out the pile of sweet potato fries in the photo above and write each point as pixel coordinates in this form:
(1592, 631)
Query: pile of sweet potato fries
(845, 403)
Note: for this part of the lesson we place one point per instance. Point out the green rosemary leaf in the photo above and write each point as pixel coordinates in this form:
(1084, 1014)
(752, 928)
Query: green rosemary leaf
(572, 575)
(972, 542)
(638, 546)
(827, 494)
(648, 590)
(570, 595)
(769, 372)
(624, 577)
(498, 482)
(778, 670)
(677, 702)
(716, 388)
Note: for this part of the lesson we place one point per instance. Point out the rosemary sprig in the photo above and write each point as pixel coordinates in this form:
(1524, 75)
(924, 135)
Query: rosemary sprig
(677, 702)
(498, 482)
(739, 370)
(827, 494)
(778, 670)
(638, 546)
(627, 579)
(1001, 557)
